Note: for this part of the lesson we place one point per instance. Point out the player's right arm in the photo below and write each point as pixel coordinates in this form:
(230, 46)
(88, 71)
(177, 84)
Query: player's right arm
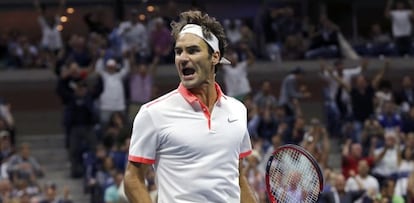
(134, 182)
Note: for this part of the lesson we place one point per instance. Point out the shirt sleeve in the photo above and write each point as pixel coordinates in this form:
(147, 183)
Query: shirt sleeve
(245, 146)
(144, 139)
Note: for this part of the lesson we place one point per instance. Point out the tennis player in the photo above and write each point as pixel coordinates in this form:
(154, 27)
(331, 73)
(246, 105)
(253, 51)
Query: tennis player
(195, 136)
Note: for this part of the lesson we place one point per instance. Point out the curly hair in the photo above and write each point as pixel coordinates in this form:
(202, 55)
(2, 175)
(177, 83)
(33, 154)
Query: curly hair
(207, 23)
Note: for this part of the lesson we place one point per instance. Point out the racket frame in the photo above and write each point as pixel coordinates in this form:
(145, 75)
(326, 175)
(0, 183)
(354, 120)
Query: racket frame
(302, 151)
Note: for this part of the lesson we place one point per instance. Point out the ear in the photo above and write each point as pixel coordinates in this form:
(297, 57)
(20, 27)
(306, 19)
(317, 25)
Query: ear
(215, 58)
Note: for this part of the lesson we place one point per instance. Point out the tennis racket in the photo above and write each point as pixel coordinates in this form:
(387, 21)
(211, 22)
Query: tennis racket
(293, 176)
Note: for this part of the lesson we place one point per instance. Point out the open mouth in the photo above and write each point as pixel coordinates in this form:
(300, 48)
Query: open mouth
(188, 71)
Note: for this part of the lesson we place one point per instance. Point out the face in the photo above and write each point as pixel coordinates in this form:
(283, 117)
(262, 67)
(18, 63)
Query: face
(340, 182)
(363, 168)
(194, 64)
(390, 140)
(406, 82)
(356, 150)
(361, 82)
(266, 87)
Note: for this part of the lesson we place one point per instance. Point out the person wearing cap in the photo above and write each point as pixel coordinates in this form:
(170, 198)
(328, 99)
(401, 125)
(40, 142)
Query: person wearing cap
(112, 98)
(195, 136)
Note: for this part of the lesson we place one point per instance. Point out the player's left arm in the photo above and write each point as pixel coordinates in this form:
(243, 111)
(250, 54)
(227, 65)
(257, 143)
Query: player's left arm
(246, 193)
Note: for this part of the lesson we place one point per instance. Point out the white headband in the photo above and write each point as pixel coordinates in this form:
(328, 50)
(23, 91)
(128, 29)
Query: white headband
(212, 42)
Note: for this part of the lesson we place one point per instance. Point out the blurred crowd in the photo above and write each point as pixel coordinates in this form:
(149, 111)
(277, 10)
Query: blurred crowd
(277, 33)
(20, 170)
(104, 77)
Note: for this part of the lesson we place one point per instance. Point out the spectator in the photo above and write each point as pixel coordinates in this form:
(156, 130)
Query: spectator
(79, 52)
(390, 119)
(113, 97)
(134, 36)
(272, 34)
(23, 53)
(379, 43)
(362, 180)
(233, 31)
(104, 178)
(408, 121)
(266, 126)
(386, 157)
(120, 155)
(335, 92)
(372, 132)
(405, 167)
(7, 119)
(324, 43)
(404, 97)
(295, 134)
(387, 191)
(24, 166)
(293, 48)
(6, 151)
(95, 22)
(93, 162)
(289, 23)
(140, 84)
(316, 141)
(410, 188)
(51, 37)
(161, 40)
(51, 196)
(23, 187)
(256, 176)
(338, 193)
(362, 96)
(116, 132)
(111, 193)
(383, 95)
(351, 155)
(290, 93)
(400, 18)
(82, 119)
(265, 98)
(6, 194)
(235, 75)
(248, 38)
(95, 45)
(70, 75)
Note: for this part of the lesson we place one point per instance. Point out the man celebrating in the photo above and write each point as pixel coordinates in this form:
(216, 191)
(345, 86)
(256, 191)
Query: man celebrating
(195, 135)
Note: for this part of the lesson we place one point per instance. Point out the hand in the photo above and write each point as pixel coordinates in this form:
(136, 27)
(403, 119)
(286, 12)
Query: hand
(303, 88)
(66, 192)
(282, 128)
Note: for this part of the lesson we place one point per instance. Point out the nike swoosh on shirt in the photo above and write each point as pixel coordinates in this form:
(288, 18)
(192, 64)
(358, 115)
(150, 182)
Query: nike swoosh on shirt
(231, 119)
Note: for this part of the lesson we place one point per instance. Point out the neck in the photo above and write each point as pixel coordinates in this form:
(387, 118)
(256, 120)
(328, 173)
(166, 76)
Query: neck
(206, 93)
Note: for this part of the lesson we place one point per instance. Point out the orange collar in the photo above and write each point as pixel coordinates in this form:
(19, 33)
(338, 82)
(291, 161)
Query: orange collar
(191, 98)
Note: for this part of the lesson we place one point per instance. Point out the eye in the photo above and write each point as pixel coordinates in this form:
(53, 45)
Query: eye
(192, 50)
(178, 51)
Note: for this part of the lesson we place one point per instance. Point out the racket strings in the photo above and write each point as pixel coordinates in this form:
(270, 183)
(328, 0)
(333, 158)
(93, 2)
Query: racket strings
(293, 178)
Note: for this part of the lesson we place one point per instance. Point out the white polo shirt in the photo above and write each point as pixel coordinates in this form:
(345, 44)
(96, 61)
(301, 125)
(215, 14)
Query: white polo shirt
(196, 154)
